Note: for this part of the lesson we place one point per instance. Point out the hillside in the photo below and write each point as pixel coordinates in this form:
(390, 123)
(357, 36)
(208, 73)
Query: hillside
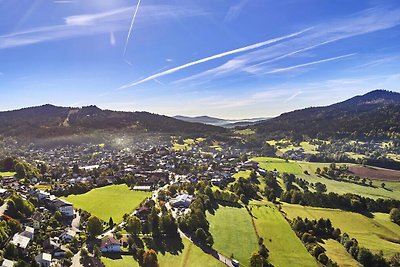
(52, 121)
(375, 114)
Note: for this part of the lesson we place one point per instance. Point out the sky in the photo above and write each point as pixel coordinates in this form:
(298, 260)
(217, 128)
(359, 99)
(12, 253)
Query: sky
(225, 58)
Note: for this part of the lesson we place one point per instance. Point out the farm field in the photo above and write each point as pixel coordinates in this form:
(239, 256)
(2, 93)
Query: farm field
(279, 238)
(109, 201)
(6, 174)
(280, 165)
(233, 233)
(336, 252)
(287, 146)
(245, 132)
(375, 173)
(391, 190)
(373, 233)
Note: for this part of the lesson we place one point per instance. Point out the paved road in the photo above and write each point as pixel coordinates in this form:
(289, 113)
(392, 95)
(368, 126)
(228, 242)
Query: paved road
(76, 260)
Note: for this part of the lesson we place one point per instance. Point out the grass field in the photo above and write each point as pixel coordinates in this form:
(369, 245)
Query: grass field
(336, 252)
(374, 233)
(280, 165)
(233, 233)
(280, 239)
(5, 174)
(391, 190)
(245, 132)
(191, 256)
(109, 201)
(122, 261)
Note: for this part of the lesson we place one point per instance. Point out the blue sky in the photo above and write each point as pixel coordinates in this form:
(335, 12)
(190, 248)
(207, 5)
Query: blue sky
(224, 58)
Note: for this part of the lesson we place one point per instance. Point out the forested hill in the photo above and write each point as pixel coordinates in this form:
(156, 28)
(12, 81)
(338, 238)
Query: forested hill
(375, 114)
(51, 121)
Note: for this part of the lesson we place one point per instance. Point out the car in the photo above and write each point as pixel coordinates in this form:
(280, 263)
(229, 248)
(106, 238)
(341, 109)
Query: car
(235, 263)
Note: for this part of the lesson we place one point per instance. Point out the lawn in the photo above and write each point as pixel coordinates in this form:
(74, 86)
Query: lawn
(191, 256)
(120, 261)
(337, 253)
(279, 238)
(374, 233)
(6, 174)
(280, 165)
(109, 201)
(233, 233)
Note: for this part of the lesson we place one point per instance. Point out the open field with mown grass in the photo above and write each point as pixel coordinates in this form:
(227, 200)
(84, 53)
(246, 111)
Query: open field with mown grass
(190, 256)
(391, 190)
(280, 165)
(120, 261)
(279, 238)
(109, 201)
(376, 233)
(337, 253)
(233, 233)
(6, 174)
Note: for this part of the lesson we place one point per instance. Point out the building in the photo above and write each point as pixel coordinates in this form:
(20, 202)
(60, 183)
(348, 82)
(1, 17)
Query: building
(110, 244)
(66, 208)
(37, 218)
(43, 259)
(183, 200)
(7, 263)
(20, 241)
(29, 232)
(68, 235)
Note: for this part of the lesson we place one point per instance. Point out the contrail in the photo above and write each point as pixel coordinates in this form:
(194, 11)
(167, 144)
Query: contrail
(130, 29)
(224, 54)
(309, 64)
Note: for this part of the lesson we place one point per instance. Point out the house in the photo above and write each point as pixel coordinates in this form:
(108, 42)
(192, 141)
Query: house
(43, 259)
(142, 212)
(183, 200)
(7, 263)
(147, 188)
(37, 218)
(66, 208)
(68, 235)
(29, 232)
(110, 244)
(20, 241)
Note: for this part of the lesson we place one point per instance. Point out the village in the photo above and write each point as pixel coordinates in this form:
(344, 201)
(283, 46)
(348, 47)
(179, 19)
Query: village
(51, 232)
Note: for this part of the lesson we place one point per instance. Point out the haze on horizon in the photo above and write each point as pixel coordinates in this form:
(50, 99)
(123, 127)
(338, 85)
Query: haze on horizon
(229, 59)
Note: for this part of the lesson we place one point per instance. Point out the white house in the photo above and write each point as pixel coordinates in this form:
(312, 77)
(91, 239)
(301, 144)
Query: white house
(20, 241)
(43, 259)
(110, 244)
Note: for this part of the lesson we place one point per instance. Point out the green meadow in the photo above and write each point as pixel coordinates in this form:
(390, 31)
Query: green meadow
(109, 201)
(233, 233)
(376, 234)
(279, 238)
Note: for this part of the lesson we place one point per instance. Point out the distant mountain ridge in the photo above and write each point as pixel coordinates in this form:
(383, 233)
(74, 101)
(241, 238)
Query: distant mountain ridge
(49, 120)
(374, 114)
(220, 122)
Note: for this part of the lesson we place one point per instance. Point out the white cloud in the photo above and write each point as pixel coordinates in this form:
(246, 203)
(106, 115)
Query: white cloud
(95, 23)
